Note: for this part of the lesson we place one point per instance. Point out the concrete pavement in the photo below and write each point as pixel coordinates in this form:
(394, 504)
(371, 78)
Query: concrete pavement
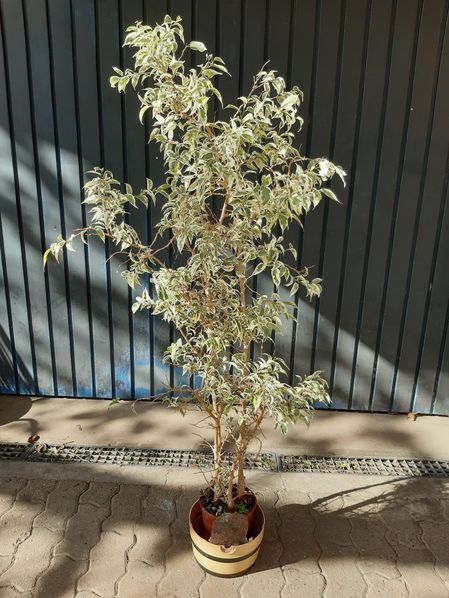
(153, 425)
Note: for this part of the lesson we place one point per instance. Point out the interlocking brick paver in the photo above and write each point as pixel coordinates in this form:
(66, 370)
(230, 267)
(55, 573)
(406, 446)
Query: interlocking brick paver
(218, 586)
(62, 503)
(339, 555)
(5, 562)
(266, 572)
(15, 524)
(31, 559)
(109, 558)
(183, 576)
(147, 556)
(68, 539)
(414, 559)
(421, 579)
(126, 509)
(99, 494)
(9, 488)
(83, 528)
(436, 537)
(381, 587)
(376, 555)
(60, 578)
(107, 564)
(429, 513)
(138, 582)
(36, 491)
(300, 547)
(299, 584)
(11, 592)
(82, 533)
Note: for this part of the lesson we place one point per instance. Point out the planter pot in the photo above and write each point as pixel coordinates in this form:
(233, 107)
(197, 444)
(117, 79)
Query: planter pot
(219, 560)
(209, 518)
(250, 514)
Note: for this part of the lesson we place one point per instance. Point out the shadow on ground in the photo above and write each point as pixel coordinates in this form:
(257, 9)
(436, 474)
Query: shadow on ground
(14, 409)
(398, 529)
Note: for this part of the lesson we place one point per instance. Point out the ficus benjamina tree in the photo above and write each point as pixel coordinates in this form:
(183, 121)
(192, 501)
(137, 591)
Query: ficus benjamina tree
(232, 187)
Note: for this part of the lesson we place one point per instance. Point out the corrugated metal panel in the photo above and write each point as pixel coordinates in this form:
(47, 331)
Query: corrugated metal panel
(376, 79)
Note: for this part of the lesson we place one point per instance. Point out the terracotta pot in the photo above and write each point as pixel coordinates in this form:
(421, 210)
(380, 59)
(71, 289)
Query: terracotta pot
(250, 514)
(209, 518)
(220, 560)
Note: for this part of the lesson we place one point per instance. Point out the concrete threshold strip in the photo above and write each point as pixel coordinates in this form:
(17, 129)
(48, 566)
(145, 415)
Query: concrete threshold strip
(72, 453)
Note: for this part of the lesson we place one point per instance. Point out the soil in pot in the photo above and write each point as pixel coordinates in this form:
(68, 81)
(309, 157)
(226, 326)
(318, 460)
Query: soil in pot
(211, 509)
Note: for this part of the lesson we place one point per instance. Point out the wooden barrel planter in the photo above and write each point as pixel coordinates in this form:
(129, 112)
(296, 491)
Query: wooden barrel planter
(222, 561)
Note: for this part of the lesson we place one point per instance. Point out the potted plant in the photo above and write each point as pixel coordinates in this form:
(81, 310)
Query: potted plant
(232, 188)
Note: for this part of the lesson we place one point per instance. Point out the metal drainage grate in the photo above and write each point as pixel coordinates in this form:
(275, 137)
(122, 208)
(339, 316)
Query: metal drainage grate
(14, 451)
(72, 453)
(365, 465)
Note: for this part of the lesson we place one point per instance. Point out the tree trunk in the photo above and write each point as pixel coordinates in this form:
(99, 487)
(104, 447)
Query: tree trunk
(217, 455)
(230, 497)
(240, 474)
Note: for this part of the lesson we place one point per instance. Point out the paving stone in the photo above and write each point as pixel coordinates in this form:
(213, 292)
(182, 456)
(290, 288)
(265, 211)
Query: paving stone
(414, 560)
(84, 527)
(380, 587)
(420, 578)
(183, 575)
(266, 572)
(151, 545)
(299, 558)
(15, 524)
(83, 532)
(300, 583)
(99, 494)
(343, 579)
(36, 491)
(11, 592)
(376, 556)
(126, 509)
(427, 509)
(5, 562)
(436, 537)
(346, 537)
(338, 558)
(109, 556)
(61, 504)
(9, 488)
(219, 586)
(107, 564)
(152, 536)
(60, 578)
(32, 558)
(138, 582)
